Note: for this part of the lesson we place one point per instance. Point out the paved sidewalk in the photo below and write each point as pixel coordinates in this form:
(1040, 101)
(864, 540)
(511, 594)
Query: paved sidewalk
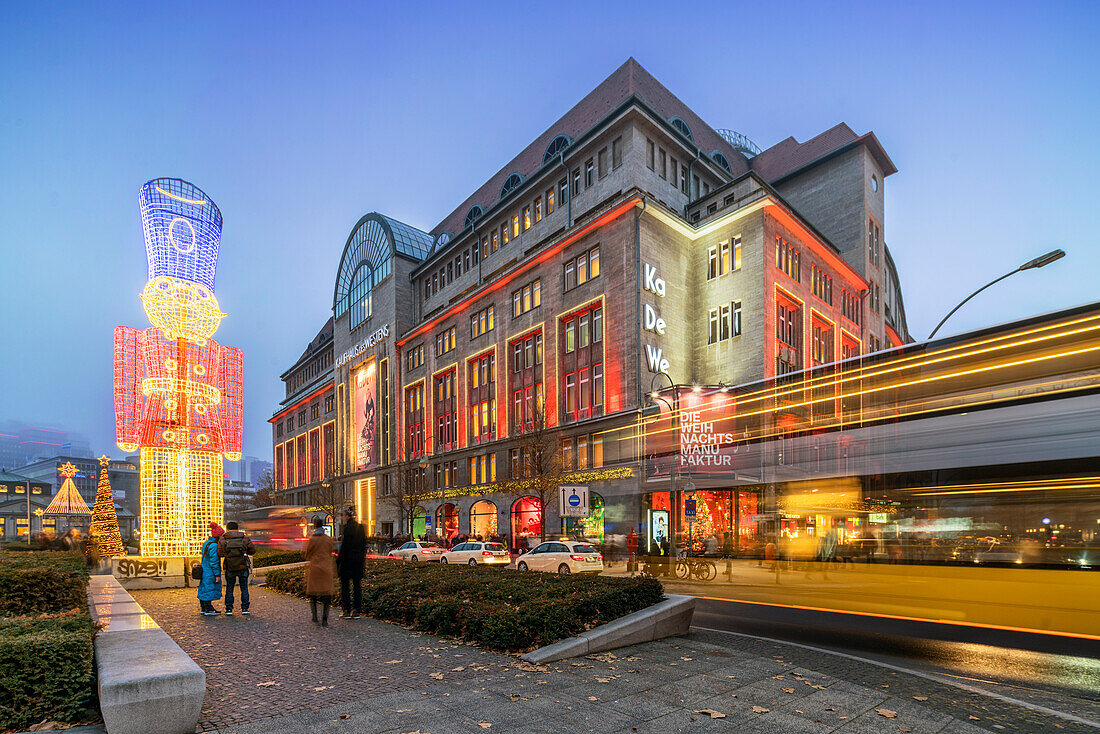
(276, 673)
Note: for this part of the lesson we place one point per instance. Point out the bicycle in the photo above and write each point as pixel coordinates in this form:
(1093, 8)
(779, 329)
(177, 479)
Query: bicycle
(701, 569)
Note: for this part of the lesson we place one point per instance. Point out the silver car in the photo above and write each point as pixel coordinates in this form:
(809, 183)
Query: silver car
(418, 551)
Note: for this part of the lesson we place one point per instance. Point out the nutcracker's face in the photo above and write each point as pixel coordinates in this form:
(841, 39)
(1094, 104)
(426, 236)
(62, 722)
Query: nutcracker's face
(181, 308)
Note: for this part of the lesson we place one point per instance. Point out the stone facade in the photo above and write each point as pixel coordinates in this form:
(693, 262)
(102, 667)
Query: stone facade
(633, 172)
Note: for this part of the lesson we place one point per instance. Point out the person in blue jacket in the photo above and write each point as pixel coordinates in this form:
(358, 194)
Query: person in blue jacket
(210, 588)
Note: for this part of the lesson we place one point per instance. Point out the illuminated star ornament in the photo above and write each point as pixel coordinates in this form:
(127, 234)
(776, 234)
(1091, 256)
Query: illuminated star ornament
(178, 393)
(103, 460)
(67, 470)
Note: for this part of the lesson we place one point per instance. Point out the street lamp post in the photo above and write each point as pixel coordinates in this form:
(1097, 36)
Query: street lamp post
(1038, 262)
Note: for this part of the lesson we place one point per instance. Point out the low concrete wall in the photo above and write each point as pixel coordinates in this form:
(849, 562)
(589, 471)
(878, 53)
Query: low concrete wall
(667, 618)
(145, 572)
(259, 575)
(147, 684)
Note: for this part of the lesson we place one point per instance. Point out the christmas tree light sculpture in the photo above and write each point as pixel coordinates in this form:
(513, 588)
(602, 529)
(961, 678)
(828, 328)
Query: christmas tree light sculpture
(104, 519)
(67, 502)
(178, 393)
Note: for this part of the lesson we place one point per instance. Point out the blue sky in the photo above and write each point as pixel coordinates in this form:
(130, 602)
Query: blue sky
(299, 118)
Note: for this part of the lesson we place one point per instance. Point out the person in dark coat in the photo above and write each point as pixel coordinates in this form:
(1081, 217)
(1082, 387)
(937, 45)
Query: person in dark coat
(349, 564)
(319, 571)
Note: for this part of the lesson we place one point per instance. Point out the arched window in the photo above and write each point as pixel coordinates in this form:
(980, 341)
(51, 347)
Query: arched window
(483, 519)
(556, 146)
(512, 182)
(441, 241)
(366, 262)
(526, 522)
(682, 127)
(446, 521)
(474, 214)
(721, 160)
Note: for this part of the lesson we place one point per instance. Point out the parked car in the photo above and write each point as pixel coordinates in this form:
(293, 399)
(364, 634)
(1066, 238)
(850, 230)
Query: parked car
(417, 551)
(473, 552)
(562, 556)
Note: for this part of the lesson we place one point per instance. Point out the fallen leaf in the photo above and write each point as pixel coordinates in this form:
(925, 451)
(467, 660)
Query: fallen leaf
(391, 662)
(484, 724)
(974, 718)
(788, 690)
(345, 716)
(604, 680)
(266, 684)
(760, 710)
(683, 658)
(887, 713)
(437, 676)
(459, 669)
(593, 698)
(711, 713)
(323, 688)
(920, 698)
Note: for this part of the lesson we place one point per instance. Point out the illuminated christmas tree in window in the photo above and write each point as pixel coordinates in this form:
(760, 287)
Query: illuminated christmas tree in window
(104, 519)
(703, 526)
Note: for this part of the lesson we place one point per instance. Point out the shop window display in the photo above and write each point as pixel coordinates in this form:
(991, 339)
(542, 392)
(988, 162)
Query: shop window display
(526, 522)
(483, 519)
(590, 527)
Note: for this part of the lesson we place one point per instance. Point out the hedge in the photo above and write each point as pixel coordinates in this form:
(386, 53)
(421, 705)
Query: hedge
(41, 583)
(497, 608)
(46, 670)
(46, 640)
(276, 557)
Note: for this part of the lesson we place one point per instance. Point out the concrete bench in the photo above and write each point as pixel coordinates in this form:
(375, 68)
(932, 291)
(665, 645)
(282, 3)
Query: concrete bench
(667, 618)
(147, 683)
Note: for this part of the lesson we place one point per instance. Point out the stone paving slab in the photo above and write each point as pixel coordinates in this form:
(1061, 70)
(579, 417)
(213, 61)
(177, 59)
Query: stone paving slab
(275, 673)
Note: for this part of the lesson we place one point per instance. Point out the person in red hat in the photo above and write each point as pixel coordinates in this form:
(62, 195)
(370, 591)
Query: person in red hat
(210, 586)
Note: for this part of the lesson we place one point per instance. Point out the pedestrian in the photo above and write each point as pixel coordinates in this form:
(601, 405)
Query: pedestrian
(320, 574)
(210, 587)
(235, 549)
(349, 563)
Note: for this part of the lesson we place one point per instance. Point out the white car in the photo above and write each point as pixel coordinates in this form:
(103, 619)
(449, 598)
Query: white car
(474, 552)
(562, 556)
(417, 551)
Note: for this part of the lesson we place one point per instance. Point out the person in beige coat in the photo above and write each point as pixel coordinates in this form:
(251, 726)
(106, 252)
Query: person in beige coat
(320, 571)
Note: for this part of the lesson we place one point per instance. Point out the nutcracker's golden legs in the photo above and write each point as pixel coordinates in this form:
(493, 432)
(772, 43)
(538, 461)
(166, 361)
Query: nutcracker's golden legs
(181, 494)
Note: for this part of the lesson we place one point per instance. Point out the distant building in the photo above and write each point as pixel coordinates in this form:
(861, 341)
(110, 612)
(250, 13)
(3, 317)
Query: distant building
(249, 470)
(14, 519)
(24, 443)
(124, 477)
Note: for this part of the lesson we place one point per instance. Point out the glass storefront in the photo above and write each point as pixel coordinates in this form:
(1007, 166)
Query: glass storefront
(483, 520)
(589, 528)
(526, 522)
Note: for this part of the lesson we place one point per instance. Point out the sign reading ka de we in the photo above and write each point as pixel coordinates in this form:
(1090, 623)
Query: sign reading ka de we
(363, 346)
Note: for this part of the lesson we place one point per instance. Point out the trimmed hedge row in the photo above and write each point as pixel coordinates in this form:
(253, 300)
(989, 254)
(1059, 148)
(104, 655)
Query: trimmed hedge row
(276, 557)
(496, 608)
(46, 669)
(46, 640)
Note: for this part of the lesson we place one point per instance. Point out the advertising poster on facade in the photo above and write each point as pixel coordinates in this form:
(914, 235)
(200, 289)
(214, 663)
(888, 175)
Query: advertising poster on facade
(365, 421)
(695, 434)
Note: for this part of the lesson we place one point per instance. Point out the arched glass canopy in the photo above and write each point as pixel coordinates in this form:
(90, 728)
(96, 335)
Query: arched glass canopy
(367, 261)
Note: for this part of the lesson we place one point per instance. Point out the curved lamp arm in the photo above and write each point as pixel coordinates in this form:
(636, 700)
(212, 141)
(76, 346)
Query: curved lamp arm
(1038, 262)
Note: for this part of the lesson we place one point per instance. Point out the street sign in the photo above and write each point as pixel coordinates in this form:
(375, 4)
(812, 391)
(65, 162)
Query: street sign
(573, 501)
(427, 521)
(689, 508)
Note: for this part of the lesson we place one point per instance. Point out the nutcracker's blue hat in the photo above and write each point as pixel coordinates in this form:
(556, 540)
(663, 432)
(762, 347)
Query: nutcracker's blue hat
(183, 230)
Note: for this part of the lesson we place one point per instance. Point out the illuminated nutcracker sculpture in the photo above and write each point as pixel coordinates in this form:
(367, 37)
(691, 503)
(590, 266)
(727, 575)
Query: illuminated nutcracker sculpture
(178, 393)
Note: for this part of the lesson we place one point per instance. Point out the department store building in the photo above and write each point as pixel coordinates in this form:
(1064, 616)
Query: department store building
(630, 257)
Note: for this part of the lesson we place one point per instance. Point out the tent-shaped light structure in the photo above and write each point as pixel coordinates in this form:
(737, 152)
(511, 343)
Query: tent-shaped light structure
(67, 501)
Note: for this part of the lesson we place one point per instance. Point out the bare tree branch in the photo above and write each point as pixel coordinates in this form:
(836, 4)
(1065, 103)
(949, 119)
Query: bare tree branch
(540, 470)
